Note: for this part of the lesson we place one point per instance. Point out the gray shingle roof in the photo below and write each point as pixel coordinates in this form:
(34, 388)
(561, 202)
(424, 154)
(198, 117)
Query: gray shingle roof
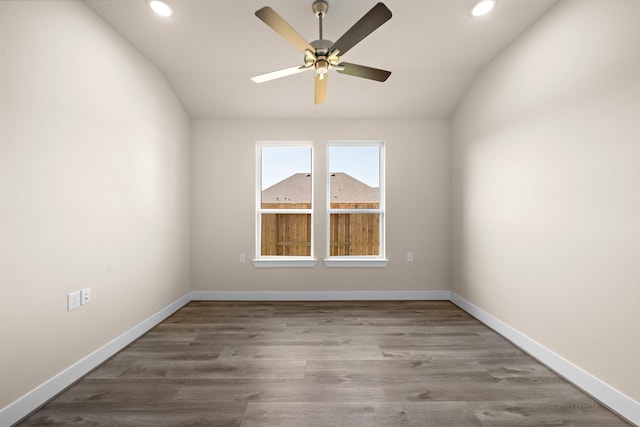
(297, 189)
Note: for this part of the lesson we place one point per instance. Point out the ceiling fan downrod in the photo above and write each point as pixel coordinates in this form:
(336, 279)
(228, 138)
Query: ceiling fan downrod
(321, 64)
(320, 8)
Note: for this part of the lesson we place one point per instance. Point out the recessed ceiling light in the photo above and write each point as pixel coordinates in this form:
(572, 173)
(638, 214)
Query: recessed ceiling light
(161, 8)
(482, 7)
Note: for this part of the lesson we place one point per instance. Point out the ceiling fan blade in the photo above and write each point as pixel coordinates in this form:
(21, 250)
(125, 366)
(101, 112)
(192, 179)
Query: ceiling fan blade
(373, 19)
(320, 88)
(280, 26)
(279, 73)
(363, 71)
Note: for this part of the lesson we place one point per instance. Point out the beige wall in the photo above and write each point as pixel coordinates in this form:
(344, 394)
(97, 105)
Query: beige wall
(95, 171)
(94, 193)
(417, 179)
(546, 188)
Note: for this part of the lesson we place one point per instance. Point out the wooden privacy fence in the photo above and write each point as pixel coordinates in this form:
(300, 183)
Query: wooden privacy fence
(289, 234)
(353, 234)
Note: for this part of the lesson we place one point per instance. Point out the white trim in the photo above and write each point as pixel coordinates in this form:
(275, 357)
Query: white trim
(607, 395)
(284, 262)
(353, 211)
(287, 211)
(355, 262)
(320, 295)
(37, 397)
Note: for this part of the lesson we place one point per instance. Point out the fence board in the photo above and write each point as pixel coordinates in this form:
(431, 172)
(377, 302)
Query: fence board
(289, 234)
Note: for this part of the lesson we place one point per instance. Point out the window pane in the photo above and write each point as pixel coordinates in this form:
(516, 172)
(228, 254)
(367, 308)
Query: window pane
(354, 177)
(354, 234)
(286, 235)
(286, 178)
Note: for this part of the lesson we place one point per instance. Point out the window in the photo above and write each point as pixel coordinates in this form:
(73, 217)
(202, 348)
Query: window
(284, 195)
(355, 204)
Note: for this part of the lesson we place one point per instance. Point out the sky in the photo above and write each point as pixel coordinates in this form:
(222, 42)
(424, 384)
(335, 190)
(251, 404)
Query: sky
(361, 163)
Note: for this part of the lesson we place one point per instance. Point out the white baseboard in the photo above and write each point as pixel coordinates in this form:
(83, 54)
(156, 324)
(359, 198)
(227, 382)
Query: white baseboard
(320, 296)
(31, 401)
(607, 395)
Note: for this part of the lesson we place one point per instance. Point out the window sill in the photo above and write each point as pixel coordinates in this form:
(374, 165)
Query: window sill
(354, 262)
(285, 262)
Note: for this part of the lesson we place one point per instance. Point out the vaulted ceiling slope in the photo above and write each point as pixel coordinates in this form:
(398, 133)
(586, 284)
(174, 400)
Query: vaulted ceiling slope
(210, 48)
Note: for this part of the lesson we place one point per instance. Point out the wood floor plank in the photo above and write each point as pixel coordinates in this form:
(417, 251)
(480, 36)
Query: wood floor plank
(399, 372)
(170, 352)
(112, 369)
(283, 338)
(270, 369)
(322, 363)
(516, 368)
(301, 352)
(291, 390)
(373, 414)
(579, 411)
(444, 352)
(372, 329)
(122, 392)
(469, 389)
(123, 415)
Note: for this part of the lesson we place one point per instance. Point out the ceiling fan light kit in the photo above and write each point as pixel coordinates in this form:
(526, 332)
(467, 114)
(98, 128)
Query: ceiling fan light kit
(323, 55)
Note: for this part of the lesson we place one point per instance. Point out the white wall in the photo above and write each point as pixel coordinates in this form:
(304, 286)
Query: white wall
(417, 179)
(94, 160)
(546, 188)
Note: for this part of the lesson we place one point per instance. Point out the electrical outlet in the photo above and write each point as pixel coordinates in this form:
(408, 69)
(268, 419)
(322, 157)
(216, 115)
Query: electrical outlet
(242, 257)
(409, 256)
(85, 296)
(73, 300)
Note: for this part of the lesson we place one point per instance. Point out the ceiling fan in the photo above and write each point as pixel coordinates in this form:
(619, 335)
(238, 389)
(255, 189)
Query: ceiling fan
(322, 55)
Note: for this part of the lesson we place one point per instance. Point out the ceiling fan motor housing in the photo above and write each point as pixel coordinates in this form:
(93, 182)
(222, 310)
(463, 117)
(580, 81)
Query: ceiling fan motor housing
(321, 46)
(322, 62)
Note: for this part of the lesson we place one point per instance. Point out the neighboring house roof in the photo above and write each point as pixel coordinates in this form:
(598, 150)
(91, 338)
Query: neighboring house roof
(297, 189)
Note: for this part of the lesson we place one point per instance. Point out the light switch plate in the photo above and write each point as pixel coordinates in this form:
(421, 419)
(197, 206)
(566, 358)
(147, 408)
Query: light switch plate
(73, 300)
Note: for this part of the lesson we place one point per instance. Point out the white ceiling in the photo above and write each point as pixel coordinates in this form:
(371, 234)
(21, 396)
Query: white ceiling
(209, 50)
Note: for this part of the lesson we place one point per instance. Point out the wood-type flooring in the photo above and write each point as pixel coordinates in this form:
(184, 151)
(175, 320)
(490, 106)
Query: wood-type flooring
(376, 363)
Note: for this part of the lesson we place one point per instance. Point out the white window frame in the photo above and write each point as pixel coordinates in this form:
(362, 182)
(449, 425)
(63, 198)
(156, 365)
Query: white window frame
(359, 261)
(259, 260)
